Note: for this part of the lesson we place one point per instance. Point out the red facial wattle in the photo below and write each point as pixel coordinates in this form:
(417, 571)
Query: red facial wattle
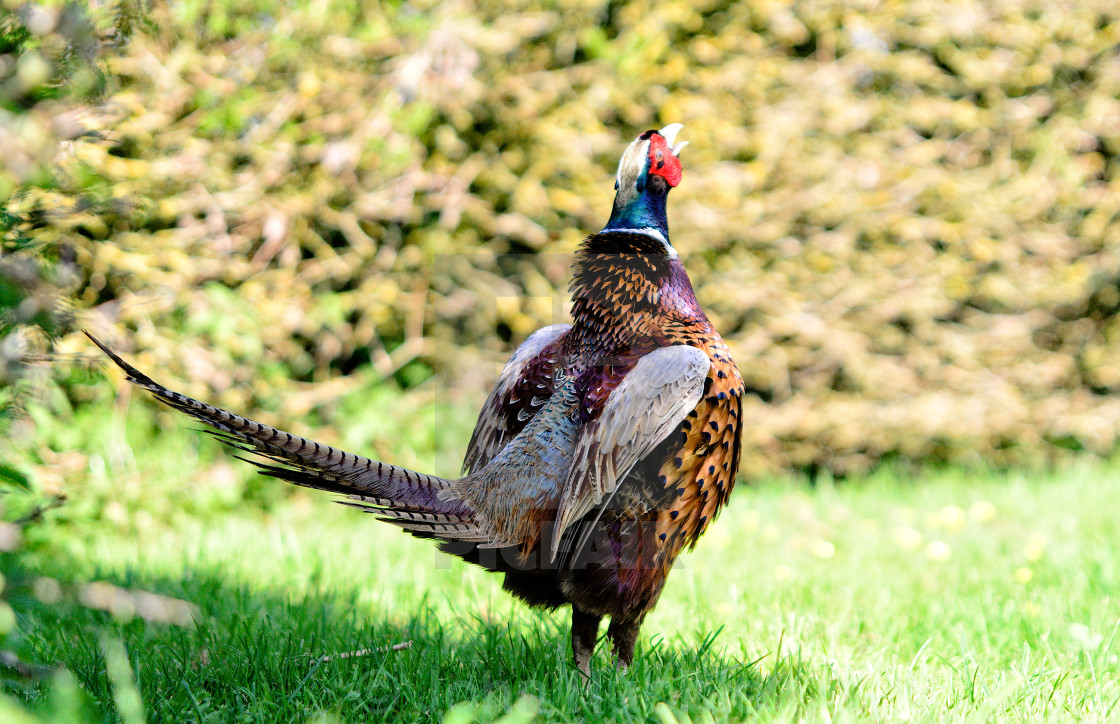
(662, 161)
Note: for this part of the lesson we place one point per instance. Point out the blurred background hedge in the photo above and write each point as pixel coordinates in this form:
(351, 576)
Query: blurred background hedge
(903, 216)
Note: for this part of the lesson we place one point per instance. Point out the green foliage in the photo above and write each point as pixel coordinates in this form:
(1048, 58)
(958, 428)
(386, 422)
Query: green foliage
(50, 66)
(49, 61)
(903, 218)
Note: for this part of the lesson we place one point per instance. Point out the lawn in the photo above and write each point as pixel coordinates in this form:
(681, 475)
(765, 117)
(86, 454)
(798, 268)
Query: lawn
(946, 595)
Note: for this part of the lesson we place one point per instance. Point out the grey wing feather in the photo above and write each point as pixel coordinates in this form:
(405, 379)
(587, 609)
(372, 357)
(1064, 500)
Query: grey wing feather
(649, 404)
(490, 433)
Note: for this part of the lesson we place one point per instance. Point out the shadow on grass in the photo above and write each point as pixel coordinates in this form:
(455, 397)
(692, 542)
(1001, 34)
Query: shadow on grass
(259, 656)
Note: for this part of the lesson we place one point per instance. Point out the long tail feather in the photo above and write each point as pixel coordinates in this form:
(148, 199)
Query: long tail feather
(394, 494)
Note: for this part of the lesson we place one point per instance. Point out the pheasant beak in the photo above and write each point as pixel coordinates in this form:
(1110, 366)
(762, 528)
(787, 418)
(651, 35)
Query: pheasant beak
(669, 133)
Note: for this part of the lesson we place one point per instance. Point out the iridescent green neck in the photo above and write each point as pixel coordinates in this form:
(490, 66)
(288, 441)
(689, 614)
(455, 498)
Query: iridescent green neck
(642, 209)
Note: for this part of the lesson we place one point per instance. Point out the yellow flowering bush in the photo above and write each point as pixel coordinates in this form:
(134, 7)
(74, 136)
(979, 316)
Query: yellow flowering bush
(904, 217)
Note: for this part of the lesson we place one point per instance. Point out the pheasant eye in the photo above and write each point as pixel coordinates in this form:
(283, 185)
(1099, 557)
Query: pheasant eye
(660, 155)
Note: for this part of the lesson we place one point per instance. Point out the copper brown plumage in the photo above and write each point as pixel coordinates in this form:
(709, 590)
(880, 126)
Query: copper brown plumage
(605, 448)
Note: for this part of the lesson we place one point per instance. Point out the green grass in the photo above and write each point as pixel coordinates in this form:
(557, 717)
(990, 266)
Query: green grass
(943, 596)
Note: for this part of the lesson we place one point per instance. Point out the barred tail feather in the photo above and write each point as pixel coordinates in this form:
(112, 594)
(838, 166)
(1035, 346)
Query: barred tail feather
(405, 498)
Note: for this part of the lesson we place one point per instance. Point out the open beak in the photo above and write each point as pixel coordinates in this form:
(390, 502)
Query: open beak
(669, 133)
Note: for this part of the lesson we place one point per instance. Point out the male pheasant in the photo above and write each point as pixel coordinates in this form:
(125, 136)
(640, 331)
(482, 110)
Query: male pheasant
(606, 446)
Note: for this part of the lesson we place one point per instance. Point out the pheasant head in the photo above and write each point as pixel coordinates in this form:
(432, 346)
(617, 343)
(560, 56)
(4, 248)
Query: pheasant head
(648, 169)
(627, 280)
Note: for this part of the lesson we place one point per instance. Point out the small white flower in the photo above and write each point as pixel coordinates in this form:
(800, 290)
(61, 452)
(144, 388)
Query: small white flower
(938, 550)
(824, 549)
(1084, 637)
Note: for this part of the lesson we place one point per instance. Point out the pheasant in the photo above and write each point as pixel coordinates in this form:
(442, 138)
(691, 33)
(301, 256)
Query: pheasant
(606, 446)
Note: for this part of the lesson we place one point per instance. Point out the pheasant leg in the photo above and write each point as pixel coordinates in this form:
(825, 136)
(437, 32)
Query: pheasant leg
(585, 629)
(623, 633)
